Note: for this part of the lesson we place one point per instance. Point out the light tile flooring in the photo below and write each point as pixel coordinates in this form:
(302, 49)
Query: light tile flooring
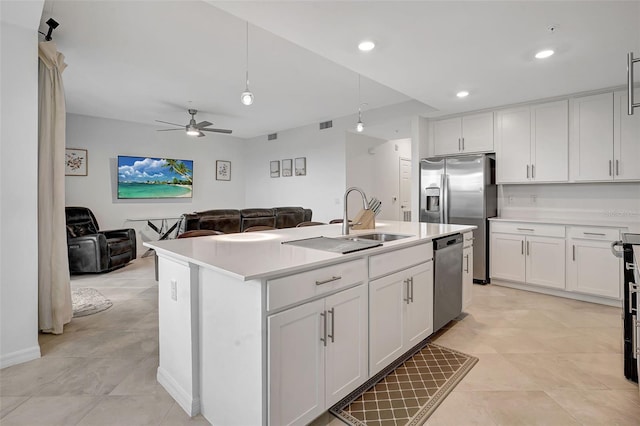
(543, 360)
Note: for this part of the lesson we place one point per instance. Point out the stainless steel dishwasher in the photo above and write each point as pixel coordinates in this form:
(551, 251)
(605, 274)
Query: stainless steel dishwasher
(447, 285)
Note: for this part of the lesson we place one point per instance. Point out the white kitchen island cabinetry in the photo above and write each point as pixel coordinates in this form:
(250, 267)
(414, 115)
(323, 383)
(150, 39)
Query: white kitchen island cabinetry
(464, 135)
(243, 318)
(317, 355)
(527, 253)
(532, 143)
(591, 269)
(399, 313)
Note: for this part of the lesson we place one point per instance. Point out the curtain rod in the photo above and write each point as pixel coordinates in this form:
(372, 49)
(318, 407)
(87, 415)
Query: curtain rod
(52, 26)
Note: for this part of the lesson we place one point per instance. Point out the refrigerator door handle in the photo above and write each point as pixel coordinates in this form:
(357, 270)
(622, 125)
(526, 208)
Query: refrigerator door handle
(442, 200)
(445, 197)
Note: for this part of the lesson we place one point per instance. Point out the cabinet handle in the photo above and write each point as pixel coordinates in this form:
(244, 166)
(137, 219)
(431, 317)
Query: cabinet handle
(635, 334)
(527, 248)
(526, 229)
(574, 252)
(522, 247)
(467, 260)
(408, 298)
(633, 288)
(333, 321)
(459, 146)
(323, 339)
(594, 233)
(533, 172)
(411, 285)
(634, 337)
(527, 171)
(332, 279)
(610, 173)
(463, 144)
(617, 167)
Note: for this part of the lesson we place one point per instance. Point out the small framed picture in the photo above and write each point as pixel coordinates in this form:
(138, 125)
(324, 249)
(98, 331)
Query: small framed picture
(223, 170)
(287, 168)
(275, 168)
(301, 166)
(75, 162)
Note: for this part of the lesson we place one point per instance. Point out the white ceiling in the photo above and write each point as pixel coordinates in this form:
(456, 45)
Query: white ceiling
(145, 60)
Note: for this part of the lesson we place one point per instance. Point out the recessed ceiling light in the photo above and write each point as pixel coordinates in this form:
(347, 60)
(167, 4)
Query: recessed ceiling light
(366, 46)
(544, 54)
(462, 94)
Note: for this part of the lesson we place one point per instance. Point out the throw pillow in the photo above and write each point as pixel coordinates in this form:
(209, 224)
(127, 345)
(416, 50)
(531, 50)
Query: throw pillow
(83, 228)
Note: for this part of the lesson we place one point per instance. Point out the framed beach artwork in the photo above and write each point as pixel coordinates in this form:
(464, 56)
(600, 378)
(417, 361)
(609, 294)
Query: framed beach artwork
(275, 168)
(150, 177)
(75, 162)
(223, 170)
(287, 167)
(301, 166)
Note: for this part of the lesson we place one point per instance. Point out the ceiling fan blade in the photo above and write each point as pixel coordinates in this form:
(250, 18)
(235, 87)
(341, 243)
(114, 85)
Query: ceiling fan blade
(173, 124)
(203, 124)
(216, 130)
(166, 130)
(200, 134)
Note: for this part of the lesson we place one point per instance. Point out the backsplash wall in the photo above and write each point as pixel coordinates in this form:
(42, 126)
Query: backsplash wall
(606, 202)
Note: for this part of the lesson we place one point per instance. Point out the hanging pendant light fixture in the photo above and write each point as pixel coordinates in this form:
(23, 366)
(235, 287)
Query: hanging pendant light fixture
(360, 124)
(247, 97)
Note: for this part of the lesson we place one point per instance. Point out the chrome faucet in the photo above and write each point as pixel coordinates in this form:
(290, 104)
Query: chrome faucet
(345, 216)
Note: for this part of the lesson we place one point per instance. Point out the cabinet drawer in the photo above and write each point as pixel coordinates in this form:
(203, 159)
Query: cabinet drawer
(300, 287)
(387, 263)
(525, 228)
(592, 233)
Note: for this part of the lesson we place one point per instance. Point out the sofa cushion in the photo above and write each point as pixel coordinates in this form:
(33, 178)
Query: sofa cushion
(225, 223)
(81, 229)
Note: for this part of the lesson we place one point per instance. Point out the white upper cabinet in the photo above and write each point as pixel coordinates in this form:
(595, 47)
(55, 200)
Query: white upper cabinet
(462, 135)
(513, 145)
(532, 143)
(550, 142)
(626, 139)
(592, 138)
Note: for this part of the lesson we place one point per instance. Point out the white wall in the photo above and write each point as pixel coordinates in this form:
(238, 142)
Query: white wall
(619, 202)
(320, 190)
(374, 165)
(105, 139)
(18, 181)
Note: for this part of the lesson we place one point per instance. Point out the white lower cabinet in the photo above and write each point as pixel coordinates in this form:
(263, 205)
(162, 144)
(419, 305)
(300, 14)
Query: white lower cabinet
(400, 313)
(467, 270)
(317, 355)
(591, 268)
(519, 253)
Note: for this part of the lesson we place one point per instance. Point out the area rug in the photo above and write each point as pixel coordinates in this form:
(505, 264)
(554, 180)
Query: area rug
(407, 392)
(88, 301)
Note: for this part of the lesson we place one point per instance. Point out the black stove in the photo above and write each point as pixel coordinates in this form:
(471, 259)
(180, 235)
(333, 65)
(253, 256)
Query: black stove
(630, 292)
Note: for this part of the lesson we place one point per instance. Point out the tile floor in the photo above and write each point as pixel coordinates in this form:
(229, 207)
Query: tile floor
(543, 360)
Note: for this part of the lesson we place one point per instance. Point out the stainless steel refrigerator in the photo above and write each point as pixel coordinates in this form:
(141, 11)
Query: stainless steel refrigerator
(461, 190)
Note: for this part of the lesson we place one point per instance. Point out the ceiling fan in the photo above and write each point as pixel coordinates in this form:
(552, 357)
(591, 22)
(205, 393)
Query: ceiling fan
(193, 128)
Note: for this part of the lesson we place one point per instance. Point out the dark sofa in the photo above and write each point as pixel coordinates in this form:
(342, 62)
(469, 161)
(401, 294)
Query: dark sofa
(230, 221)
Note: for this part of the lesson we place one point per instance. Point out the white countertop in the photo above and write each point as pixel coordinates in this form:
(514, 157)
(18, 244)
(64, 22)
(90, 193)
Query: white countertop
(259, 255)
(565, 221)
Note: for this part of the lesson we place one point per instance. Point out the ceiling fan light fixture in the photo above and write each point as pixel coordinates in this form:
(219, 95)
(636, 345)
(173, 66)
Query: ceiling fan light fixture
(193, 131)
(462, 94)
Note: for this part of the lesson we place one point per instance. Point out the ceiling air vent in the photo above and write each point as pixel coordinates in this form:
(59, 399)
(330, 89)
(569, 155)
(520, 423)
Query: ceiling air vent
(272, 137)
(326, 125)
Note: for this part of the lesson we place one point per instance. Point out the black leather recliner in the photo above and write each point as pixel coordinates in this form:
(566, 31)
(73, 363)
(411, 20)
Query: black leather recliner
(92, 250)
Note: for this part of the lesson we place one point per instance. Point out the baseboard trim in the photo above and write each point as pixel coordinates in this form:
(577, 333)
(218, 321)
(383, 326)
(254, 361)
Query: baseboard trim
(18, 357)
(189, 404)
(559, 293)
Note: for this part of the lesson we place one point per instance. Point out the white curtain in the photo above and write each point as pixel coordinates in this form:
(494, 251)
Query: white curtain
(54, 290)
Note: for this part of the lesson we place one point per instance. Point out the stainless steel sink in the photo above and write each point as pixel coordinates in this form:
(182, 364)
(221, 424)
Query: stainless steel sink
(382, 237)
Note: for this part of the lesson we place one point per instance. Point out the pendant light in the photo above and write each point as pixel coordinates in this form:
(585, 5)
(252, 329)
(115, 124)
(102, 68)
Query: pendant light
(360, 124)
(247, 97)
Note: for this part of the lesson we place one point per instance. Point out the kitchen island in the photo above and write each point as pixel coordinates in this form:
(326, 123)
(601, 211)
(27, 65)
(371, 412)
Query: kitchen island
(254, 331)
